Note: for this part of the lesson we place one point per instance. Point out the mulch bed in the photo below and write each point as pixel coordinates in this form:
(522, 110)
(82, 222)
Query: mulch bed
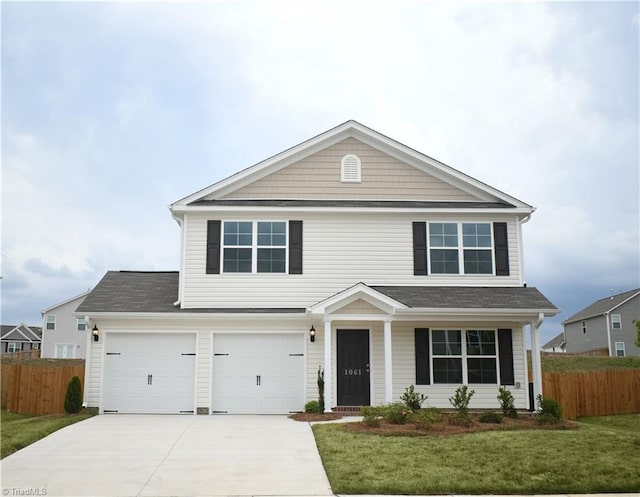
(444, 428)
(309, 416)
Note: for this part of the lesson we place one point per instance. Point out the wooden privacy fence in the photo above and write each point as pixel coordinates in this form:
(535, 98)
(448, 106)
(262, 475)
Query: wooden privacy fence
(598, 393)
(34, 388)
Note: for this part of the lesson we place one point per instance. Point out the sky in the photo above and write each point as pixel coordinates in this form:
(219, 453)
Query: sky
(112, 111)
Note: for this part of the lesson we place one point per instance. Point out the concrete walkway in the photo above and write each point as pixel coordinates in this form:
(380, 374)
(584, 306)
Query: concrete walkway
(140, 455)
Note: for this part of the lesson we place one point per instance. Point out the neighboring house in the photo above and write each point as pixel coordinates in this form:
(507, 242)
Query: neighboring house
(20, 338)
(556, 344)
(64, 335)
(349, 252)
(608, 323)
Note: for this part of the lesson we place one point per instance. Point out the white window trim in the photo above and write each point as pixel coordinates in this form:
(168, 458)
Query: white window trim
(464, 356)
(616, 319)
(81, 321)
(254, 245)
(460, 248)
(617, 348)
(70, 346)
(352, 172)
(53, 321)
(9, 346)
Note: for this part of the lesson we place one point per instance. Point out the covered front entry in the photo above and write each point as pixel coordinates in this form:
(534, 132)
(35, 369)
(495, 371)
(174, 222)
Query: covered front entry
(258, 373)
(353, 368)
(149, 373)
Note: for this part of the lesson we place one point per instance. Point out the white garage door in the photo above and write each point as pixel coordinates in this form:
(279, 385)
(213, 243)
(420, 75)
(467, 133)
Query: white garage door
(149, 373)
(258, 374)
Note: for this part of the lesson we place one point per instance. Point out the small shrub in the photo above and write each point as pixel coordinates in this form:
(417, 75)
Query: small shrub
(460, 419)
(491, 417)
(461, 398)
(412, 399)
(549, 410)
(313, 406)
(426, 418)
(371, 415)
(397, 413)
(73, 397)
(505, 397)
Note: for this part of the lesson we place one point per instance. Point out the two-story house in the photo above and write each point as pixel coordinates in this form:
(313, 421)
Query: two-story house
(607, 325)
(351, 253)
(64, 335)
(19, 338)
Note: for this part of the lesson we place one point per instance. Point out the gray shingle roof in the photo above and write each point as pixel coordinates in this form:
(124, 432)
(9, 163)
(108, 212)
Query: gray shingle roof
(143, 291)
(445, 297)
(556, 341)
(601, 306)
(396, 204)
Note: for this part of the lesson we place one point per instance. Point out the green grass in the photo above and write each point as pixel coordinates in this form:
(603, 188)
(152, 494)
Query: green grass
(20, 430)
(584, 460)
(620, 422)
(561, 363)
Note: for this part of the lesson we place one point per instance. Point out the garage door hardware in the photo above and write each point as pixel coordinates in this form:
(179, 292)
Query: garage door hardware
(258, 380)
(296, 355)
(149, 379)
(220, 354)
(113, 353)
(192, 353)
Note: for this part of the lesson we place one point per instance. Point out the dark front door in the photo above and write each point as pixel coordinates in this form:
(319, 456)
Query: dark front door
(353, 368)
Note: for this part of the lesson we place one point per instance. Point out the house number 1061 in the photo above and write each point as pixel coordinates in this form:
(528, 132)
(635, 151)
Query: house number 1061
(353, 372)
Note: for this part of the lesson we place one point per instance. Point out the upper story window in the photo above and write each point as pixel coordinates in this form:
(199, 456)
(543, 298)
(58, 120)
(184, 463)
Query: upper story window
(51, 322)
(254, 247)
(81, 325)
(351, 169)
(584, 327)
(616, 321)
(460, 248)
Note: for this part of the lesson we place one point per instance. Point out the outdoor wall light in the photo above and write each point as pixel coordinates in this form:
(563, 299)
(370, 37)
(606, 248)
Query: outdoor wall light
(95, 332)
(312, 334)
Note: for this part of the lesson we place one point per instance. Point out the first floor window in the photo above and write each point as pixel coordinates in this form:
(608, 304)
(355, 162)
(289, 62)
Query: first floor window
(467, 356)
(51, 322)
(619, 349)
(81, 325)
(616, 321)
(65, 351)
(13, 347)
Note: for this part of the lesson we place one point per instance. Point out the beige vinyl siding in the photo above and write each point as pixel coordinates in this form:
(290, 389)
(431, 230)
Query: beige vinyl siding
(93, 382)
(340, 250)
(318, 177)
(485, 396)
(359, 307)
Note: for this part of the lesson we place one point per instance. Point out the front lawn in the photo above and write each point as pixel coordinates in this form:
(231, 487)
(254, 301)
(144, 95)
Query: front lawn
(620, 422)
(20, 430)
(584, 460)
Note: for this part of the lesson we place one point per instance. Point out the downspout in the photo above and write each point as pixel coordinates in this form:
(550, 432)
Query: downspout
(182, 252)
(606, 317)
(535, 356)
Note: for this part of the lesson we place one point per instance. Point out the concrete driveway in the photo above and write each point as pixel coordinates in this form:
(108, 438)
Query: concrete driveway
(141, 455)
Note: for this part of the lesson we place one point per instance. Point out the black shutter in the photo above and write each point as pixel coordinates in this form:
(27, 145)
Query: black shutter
(213, 247)
(423, 360)
(501, 247)
(419, 248)
(295, 247)
(505, 354)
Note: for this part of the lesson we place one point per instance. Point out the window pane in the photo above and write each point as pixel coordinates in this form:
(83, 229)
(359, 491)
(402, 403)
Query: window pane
(237, 260)
(271, 260)
(476, 235)
(447, 342)
(481, 342)
(482, 370)
(478, 262)
(443, 234)
(237, 233)
(444, 261)
(447, 370)
(272, 233)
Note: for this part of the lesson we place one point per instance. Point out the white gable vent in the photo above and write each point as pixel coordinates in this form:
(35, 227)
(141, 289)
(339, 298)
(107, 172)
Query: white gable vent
(351, 169)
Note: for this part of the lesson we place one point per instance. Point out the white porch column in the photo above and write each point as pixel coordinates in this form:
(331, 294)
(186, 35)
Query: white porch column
(388, 374)
(328, 376)
(535, 358)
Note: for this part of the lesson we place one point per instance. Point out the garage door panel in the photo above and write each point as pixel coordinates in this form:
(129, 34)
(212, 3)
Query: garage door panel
(258, 373)
(148, 373)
